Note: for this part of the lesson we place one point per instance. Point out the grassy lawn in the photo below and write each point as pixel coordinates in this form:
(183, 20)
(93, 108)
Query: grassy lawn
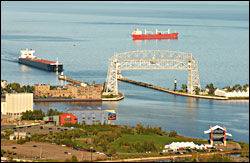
(160, 141)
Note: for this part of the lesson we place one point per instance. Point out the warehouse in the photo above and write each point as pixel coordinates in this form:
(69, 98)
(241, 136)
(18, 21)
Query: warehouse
(90, 116)
(67, 118)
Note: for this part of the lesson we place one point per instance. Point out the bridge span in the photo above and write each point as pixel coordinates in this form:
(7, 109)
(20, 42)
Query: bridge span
(151, 59)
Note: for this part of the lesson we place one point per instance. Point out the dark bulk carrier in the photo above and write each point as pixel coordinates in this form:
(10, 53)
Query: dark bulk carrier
(28, 58)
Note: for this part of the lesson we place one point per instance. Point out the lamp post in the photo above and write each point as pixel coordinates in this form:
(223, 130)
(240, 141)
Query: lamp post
(91, 152)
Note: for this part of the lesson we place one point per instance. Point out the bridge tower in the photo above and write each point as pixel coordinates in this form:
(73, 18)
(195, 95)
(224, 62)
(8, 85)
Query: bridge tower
(151, 59)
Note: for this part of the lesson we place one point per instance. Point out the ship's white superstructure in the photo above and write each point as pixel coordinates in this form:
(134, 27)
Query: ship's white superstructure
(27, 53)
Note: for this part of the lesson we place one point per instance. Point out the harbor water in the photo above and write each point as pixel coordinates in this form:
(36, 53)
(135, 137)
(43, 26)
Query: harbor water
(84, 35)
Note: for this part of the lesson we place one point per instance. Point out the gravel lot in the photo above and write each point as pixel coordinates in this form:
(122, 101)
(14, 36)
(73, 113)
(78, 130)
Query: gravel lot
(49, 151)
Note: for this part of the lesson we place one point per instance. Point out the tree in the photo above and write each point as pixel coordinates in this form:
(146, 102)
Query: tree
(245, 87)
(197, 90)
(184, 87)
(228, 88)
(237, 87)
(173, 133)
(211, 89)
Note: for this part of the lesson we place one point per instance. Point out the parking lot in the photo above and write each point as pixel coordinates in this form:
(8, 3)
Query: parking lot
(42, 129)
(49, 151)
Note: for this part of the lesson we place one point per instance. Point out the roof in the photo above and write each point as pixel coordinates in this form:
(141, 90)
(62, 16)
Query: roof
(215, 128)
(176, 145)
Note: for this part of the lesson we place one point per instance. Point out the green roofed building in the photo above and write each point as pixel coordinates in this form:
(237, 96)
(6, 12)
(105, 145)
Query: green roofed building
(52, 119)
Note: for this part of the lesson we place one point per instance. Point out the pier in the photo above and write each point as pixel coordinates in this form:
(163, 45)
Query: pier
(170, 91)
(73, 81)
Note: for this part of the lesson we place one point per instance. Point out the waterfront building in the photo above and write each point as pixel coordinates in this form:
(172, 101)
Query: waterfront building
(217, 135)
(41, 90)
(60, 92)
(90, 92)
(93, 92)
(67, 118)
(3, 83)
(52, 120)
(224, 93)
(90, 116)
(16, 103)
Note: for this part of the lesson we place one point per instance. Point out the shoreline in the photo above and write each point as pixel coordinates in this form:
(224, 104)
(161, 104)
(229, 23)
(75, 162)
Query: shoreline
(180, 93)
(120, 97)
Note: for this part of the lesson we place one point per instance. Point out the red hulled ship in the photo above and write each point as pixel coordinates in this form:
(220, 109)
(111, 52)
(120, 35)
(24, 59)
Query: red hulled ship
(28, 58)
(137, 34)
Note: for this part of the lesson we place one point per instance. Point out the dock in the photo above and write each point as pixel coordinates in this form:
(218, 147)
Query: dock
(73, 81)
(170, 91)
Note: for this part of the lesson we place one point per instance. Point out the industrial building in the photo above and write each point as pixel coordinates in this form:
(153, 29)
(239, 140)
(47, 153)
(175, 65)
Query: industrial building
(217, 135)
(60, 119)
(15, 104)
(52, 120)
(90, 116)
(67, 118)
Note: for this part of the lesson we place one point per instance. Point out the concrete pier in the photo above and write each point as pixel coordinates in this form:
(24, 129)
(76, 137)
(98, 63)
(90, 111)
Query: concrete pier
(170, 91)
(63, 77)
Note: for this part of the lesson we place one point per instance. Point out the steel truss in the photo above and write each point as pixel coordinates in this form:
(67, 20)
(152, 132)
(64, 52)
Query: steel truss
(151, 59)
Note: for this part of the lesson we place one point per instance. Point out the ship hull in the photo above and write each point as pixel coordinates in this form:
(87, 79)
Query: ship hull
(40, 65)
(156, 36)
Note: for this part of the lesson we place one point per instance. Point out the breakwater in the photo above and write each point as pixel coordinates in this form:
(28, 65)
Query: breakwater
(170, 91)
(63, 77)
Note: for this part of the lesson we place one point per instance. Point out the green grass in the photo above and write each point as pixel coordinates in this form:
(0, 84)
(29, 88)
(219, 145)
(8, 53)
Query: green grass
(160, 141)
(109, 96)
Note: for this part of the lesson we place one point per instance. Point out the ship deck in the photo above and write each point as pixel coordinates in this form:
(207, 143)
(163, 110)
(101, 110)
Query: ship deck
(42, 61)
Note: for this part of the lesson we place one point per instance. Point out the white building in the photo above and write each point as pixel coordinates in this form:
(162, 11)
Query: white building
(224, 93)
(19, 135)
(178, 145)
(16, 103)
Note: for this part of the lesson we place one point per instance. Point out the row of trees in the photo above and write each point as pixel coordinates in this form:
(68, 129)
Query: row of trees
(237, 87)
(15, 87)
(148, 129)
(39, 114)
(210, 87)
(33, 115)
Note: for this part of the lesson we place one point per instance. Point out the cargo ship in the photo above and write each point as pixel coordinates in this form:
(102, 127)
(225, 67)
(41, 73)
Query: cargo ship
(137, 34)
(29, 59)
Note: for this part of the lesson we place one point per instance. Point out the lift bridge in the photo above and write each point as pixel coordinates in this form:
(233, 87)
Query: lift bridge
(151, 59)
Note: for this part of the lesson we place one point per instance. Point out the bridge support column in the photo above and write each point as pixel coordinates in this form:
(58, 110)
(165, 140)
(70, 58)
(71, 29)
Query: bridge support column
(190, 85)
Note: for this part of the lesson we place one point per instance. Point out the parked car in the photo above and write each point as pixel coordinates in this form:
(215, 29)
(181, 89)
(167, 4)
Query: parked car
(65, 152)
(34, 145)
(108, 155)
(50, 128)
(13, 147)
(41, 127)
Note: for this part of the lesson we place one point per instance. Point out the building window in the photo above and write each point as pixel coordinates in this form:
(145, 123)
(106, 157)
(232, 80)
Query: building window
(67, 119)
(93, 116)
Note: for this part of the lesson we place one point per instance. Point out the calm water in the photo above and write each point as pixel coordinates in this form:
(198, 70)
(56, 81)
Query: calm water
(216, 33)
